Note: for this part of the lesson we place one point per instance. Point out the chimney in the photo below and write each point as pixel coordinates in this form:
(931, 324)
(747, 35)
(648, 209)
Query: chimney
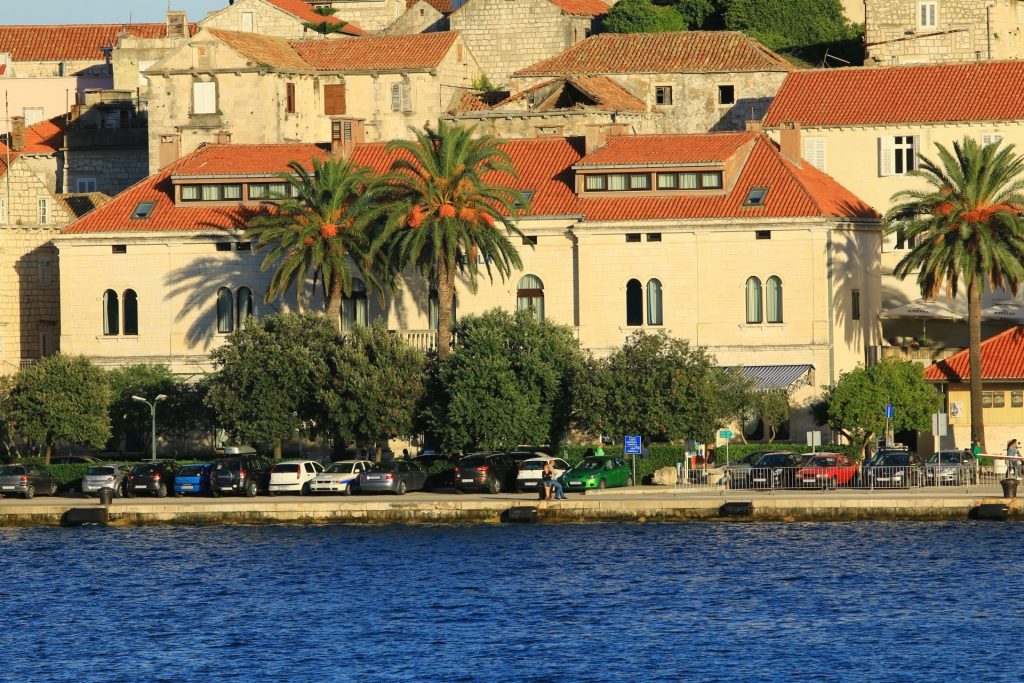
(170, 149)
(595, 137)
(224, 137)
(177, 25)
(17, 133)
(789, 141)
(345, 135)
(754, 126)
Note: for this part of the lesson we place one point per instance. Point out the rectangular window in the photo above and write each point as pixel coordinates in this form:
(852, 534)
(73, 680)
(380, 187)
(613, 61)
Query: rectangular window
(334, 99)
(43, 211)
(763, 234)
(897, 154)
(1017, 399)
(663, 95)
(118, 248)
(617, 181)
(594, 183)
(45, 271)
(668, 181)
(855, 304)
(86, 184)
(289, 96)
(232, 191)
(986, 399)
(756, 196)
(33, 115)
(814, 152)
(654, 237)
(243, 246)
(927, 15)
(396, 97)
(998, 399)
(990, 138)
(223, 246)
(248, 22)
(711, 180)
(689, 181)
(530, 240)
(3, 210)
(726, 94)
(632, 237)
(258, 191)
(204, 97)
(639, 181)
(210, 193)
(189, 193)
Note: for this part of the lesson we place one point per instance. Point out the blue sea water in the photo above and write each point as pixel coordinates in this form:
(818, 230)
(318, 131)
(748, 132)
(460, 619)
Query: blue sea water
(659, 602)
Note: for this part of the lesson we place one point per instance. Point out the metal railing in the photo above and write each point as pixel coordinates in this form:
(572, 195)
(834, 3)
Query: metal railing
(952, 476)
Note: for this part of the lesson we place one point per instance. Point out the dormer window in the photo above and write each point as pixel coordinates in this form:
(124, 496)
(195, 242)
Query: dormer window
(211, 193)
(707, 180)
(271, 190)
(617, 182)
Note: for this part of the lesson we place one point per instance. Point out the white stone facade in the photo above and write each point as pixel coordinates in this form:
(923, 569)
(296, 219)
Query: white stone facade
(372, 15)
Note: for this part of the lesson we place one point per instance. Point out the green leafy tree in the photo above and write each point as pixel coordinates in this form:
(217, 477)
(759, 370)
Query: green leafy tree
(62, 399)
(772, 407)
(966, 227)
(376, 384)
(507, 382)
(180, 414)
(451, 204)
(325, 231)
(324, 26)
(789, 23)
(656, 386)
(270, 379)
(856, 404)
(642, 16)
(696, 13)
(7, 423)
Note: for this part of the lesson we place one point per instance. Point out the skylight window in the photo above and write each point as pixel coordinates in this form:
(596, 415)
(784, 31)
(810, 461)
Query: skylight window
(143, 210)
(756, 196)
(527, 197)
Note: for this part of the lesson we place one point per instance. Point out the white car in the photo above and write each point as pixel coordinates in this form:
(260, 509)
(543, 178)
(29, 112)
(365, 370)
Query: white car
(340, 477)
(530, 470)
(293, 476)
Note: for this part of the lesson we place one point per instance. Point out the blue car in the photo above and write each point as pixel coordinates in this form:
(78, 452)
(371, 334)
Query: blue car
(193, 479)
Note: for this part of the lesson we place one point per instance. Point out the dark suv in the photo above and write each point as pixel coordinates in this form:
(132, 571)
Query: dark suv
(155, 476)
(491, 472)
(894, 469)
(245, 473)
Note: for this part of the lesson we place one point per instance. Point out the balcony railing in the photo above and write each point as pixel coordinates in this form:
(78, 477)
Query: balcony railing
(423, 340)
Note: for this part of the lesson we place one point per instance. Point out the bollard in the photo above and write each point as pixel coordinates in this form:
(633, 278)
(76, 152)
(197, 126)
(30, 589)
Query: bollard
(1009, 487)
(106, 496)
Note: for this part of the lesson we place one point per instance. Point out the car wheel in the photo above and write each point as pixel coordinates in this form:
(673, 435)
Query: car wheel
(348, 490)
(401, 488)
(494, 486)
(53, 489)
(250, 489)
(601, 484)
(30, 492)
(128, 493)
(119, 491)
(215, 493)
(161, 491)
(304, 490)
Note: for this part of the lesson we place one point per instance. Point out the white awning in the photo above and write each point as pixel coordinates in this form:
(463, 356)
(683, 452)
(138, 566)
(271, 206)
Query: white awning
(940, 308)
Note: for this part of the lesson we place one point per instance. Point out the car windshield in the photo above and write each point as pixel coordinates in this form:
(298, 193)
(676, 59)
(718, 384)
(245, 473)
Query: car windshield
(228, 465)
(948, 458)
(532, 465)
(12, 470)
(891, 459)
(97, 471)
(472, 461)
(143, 470)
(821, 462)
(340, 468)
(191, 470)
(290, 468)
(590, 464)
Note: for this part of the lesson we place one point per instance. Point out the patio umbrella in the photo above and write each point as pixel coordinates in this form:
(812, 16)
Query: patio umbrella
(1010, 311)
(941, 308)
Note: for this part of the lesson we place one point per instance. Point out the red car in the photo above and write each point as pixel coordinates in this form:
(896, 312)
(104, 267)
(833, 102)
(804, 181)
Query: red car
(827, 470)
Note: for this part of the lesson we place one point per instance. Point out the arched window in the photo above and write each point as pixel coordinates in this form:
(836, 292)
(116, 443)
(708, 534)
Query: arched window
(753, 301)
(244, 307)
(773, 299)
(354, 308)
(131, 312)
(634, 303)
(654, 302)
(434, 306)
(225, 310)
(111, 313)
(530, 296)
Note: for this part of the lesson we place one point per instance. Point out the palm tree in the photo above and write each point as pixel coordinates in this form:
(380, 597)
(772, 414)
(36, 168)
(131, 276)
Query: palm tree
(965, 225)
(324, 27)
(445, 211)
(322, 228)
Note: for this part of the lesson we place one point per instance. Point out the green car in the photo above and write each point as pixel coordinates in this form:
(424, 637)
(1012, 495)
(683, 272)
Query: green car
(597, 472)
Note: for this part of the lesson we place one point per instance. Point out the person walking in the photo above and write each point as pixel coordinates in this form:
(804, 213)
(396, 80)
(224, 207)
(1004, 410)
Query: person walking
(976, 453)
(1013, 464)
(556, 486)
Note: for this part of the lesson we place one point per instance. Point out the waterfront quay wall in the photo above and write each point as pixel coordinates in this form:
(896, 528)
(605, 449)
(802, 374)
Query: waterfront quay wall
(650, 508)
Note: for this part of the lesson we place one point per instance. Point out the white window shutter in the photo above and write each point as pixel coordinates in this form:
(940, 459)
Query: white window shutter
(204, 97)
(915, 146)
(396, 97)
(814, 152)
(885, 155)
(989, 138)
(407, 97)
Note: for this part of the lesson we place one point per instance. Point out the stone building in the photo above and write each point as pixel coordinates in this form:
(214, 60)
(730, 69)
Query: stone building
(279, 18)
(105, 144)
(371, 15)
(866, 126)
(716, 238)
(507, 36)
(695, 81)
(923, 31)
(259, 89)
(422, 16)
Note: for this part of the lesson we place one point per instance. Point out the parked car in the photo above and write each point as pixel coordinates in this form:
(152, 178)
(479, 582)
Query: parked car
(246, 473)
(440, 477)
(154, 476)
(194, 478)
(293, 476)
(894, 469)
(529, 477)
(777, 470)
(951, 468)
(397, 476)
(739, 471)
(826, 470)
(26, 480)
(111, 475)
(339, 477)
(74, 460)
(490, 472)
(597, 472)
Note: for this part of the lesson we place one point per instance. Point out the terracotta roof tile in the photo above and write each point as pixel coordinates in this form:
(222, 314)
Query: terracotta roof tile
(1002, 357)
(58, 43)
(377, 53)
(300, 10)
(471, 101)
(442, 6)
(608, 93)
(45, 137)
(584, 8)
(976, 91)
(80, 203)
(688, 51)
(268, 50)
(221, 160)
(667, 149)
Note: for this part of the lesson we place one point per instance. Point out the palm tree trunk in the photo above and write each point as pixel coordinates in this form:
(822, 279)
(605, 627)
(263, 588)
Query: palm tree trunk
(332, 305)
(445, 295)
(974, 332)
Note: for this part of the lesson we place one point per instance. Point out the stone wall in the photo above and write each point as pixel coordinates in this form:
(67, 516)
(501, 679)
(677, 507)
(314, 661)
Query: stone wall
(507, 36)
(268, 20)
(371, 15)
(134, 55)
(894, 36)
(113, 170)
(512, 124)
(420, 18)
(82, 67)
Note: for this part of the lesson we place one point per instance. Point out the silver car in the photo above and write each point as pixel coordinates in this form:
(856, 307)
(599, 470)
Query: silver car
(26, 480)
(109, 475)
(397, 476)
(340, 477)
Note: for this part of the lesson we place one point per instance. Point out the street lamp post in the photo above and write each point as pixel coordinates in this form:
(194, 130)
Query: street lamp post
(152, 414)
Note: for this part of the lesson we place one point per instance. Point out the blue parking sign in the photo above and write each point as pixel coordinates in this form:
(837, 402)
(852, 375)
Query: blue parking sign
(633, 445)
(890, 411)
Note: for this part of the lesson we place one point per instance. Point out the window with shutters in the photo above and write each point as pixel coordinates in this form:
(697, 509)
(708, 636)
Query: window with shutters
(990, 138)
(396, 97)
(86, 184)
(897, 155)
(289, 91)
(334, 99)
(44, 211)
(3, 210)
(248, 22)
(204, 97)
(814, 152)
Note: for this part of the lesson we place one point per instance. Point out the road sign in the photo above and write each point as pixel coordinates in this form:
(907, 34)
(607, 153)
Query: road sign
(940, 424)
(813, 439)
(725, 434)
(890, 411)
(633, 445)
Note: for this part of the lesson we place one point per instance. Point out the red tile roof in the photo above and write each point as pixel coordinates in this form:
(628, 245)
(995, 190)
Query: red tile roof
(688, 51)
(667, 149)
(71, 41)
(442, 6)
(377, 53)
(275, 52)
(606, 94)
(1002, 357)
(975, 91)
(303, 12)
(583, 8)
(45, 137)
(544, 165)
